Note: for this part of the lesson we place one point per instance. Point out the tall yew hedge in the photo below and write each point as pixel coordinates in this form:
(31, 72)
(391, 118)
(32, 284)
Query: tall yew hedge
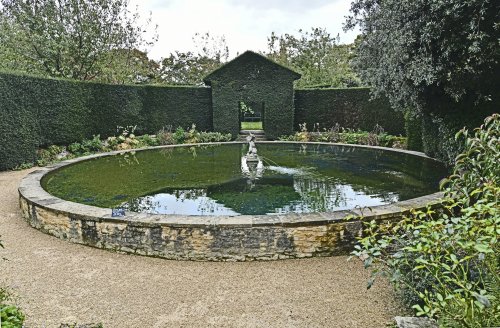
(38, 112)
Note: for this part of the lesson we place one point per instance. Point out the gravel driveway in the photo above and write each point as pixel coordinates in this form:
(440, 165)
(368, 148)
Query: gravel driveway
(59, 282)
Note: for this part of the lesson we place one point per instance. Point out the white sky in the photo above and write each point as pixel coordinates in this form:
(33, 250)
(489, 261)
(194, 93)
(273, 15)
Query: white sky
(246, 24)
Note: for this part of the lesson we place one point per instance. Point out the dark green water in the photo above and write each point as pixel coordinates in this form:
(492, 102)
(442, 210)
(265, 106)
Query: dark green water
(213, 180)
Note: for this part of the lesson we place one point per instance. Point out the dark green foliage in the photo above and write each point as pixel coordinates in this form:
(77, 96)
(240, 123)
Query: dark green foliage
(447, 118)
(415, 51)
(413, 128)
(49, 155)
(252, 78)
(37, 112)
(19, 129)
(340, 135)
(439, 58)
(86, 146)
(10, 315)
(350, 108)
(445, 259)
(179, 135)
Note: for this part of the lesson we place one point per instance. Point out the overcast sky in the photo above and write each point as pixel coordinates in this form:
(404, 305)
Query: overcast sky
(246, 24)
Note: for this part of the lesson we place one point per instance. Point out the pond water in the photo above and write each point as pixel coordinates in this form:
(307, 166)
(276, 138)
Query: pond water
(215, 180)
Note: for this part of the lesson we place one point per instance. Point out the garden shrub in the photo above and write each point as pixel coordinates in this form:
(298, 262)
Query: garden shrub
(445, 260)
(413, 128)
(337, 134)
(125, 139)
(166, 137)
(10, 315)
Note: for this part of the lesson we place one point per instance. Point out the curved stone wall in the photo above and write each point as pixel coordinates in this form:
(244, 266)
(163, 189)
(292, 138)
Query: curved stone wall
(213, 238)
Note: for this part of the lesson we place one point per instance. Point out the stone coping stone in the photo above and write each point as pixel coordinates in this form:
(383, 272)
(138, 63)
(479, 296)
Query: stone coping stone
(415, 322)
(31, 190)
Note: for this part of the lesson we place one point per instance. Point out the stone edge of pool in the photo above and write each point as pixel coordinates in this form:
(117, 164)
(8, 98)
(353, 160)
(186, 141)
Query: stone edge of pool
(204, 238)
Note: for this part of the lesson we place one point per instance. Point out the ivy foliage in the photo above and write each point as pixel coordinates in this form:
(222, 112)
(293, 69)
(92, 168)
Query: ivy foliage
(445, 260)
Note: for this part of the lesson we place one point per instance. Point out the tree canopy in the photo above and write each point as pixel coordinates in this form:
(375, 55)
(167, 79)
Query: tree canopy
(317, 56)
(191, 67)
(84, 40)
(420, 50)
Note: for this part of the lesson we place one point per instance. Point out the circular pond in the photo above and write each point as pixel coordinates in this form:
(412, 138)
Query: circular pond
(208, 202)
(216, 180)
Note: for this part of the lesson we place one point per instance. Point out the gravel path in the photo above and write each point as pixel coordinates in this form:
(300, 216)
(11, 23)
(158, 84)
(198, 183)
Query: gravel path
(59, 282)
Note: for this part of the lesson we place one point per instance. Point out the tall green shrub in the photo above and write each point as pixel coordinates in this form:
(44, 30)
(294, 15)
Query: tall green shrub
(37, 112)
(413, 128)
(445, 261)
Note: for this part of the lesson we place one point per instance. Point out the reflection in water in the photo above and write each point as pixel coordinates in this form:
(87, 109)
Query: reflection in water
(186, 202)
(298, 190)
(216, 180)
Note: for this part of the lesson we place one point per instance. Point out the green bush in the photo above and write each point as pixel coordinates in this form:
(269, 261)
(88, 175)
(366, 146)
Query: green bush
(10, 315)
(165, 136)
(377, 137)
(86, 146)
(413, 128)
(179, 135)
(49, 155)
(445, 260)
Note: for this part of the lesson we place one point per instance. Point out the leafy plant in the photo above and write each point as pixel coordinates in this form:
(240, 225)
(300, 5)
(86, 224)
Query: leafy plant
(479, 163)
(165, 136)
(148, 141)
(125, 139)
(192, 136)
(50, 155)
(377, 137)
(179, 135)
(244, 108)
(11, 316)
(86, 146)
(214, 137)
(445, 260)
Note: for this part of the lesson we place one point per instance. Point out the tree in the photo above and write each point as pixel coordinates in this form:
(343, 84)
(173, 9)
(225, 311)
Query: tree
(69, 38)
(191, 67)
(317, 56)
(422, 51)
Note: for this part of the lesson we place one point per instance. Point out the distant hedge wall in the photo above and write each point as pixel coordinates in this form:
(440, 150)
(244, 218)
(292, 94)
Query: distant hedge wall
(39, 112)
(350, 108)
(447, 118)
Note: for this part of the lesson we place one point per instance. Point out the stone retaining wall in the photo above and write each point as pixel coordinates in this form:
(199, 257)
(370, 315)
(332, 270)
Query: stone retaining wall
(213, 238)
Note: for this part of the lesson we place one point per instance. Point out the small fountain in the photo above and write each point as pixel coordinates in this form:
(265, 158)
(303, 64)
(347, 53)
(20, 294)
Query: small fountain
(251, 157)
(252, 165)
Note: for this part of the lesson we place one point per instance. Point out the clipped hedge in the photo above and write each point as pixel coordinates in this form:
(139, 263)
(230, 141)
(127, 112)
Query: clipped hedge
(252, 78)
(38, 112)
(413, 128)
(439, 128)
(350, 108)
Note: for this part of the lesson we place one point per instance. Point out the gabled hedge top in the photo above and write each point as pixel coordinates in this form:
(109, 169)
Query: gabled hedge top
(232, 70)
(253, 78)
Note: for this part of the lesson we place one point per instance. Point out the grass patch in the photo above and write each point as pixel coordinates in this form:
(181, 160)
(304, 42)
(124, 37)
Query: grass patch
(251, 125)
